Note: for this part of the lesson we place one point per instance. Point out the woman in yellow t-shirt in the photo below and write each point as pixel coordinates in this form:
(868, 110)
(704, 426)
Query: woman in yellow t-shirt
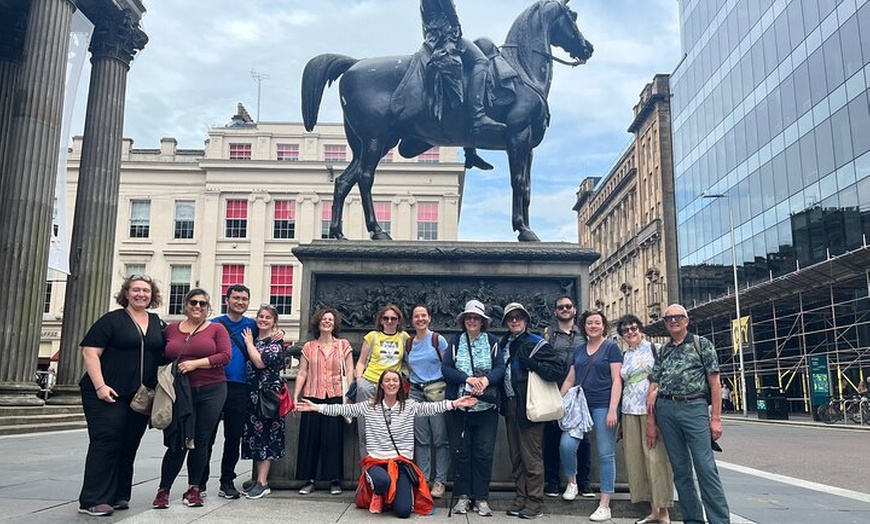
(383, 349)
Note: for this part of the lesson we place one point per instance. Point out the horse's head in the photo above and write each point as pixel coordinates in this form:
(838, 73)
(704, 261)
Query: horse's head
(565, 34)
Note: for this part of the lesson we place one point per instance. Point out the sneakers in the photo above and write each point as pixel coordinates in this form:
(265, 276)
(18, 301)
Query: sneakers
(228, 491)
(551, 491)
(192, 498)
(377, 504)
(100, 510)
(307, 489)
(586, 490)
(601, 514)
(248, 484)
(514, 510)
(462, 505)
(335, 488)
(258, 491)
(530, 513)
(482, 508)
(121, 504)
(570, 492)
(161, 500)
(437, 490)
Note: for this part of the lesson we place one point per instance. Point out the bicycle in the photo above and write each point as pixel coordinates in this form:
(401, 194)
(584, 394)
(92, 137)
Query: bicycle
(856, 409)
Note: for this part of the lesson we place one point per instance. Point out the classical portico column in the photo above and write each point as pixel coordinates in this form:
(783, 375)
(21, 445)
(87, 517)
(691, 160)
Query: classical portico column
(13, 25)
(27, 193)
(116, 39)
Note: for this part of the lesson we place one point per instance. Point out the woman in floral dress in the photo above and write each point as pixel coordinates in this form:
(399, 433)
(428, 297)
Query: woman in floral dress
(263, 440)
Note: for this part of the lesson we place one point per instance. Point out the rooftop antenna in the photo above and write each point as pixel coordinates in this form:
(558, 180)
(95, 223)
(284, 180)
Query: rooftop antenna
(259, 77)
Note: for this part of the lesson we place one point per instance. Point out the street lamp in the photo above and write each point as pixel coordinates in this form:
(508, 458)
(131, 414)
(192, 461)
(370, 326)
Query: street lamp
(736, 294)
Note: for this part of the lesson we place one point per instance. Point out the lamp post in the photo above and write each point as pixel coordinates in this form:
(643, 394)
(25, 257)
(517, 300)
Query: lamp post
(716, 196)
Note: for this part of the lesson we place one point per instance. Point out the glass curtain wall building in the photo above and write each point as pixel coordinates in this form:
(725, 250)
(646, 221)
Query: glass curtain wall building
(771, 113)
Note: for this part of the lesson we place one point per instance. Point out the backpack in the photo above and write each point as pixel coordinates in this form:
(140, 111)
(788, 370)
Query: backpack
(409, 344)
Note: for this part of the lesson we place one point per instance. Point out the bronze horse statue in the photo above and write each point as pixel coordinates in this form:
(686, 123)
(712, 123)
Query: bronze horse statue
(373, 127)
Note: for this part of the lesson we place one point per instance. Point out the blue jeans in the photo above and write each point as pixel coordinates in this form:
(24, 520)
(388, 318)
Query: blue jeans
(429, 433)
(685, 428)
(605, 440)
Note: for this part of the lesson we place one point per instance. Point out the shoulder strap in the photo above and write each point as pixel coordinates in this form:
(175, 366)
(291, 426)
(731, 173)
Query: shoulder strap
(141, 344)
(236, 340)
(550, 332)
(592, 361)
(537, 347)
(435, 345)
(389, 431)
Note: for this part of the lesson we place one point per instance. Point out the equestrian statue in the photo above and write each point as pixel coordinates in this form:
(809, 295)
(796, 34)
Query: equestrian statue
(452, 92)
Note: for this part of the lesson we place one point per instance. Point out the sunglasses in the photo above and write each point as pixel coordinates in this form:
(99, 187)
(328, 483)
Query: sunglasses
(143, 278)
(390, 319)
(565, 307)
(630, 329)
(515, 318)
(200, 303)
(675, 318)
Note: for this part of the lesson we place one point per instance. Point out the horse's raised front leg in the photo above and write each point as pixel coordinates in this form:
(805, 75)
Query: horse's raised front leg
(520, 162)
(343, 184)
(371, 156)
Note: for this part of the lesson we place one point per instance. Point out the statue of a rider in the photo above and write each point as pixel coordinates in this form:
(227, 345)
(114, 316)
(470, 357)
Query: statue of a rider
(450, 56)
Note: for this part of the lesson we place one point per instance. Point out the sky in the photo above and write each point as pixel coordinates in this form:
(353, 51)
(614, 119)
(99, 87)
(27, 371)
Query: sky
(200, 56)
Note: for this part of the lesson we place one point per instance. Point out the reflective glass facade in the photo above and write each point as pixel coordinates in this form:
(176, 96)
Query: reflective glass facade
(770, 108)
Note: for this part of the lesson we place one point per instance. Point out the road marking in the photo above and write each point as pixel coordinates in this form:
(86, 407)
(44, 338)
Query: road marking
(737, 519)
(831, 490)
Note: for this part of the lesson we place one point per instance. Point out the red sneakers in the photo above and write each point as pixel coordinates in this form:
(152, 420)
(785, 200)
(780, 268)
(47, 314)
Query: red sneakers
(161, 501)
(377, 504)
(192, 497)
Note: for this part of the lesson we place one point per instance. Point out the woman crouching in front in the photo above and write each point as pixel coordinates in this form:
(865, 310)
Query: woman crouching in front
(390, 477)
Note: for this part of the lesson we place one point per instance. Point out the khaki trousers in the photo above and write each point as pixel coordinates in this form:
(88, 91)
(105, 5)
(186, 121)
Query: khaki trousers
(527, 459)
(650, 478)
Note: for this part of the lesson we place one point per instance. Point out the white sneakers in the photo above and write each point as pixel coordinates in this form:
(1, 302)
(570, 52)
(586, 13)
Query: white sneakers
(601, 514)
(570, 491)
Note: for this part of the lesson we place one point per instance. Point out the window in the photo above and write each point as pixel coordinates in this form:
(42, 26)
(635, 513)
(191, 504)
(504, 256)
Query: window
(388, 157)
(46, 308)
(288, 152)
(55, 227)
(334, 153)
(427, 221)
(240, 151)
(284, 219)
(432, 156)
(230, 274)
(325, 217)
(383, 214)
(179, 285)
(281, 289)
(237, 219)
(140, 218)
(134, 269)
(184, 212)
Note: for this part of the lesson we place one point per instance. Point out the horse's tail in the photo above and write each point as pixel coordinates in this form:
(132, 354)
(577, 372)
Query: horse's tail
(320, 71)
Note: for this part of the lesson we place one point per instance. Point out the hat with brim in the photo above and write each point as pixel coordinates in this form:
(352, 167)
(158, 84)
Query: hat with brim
(472, 307)
(516, 306)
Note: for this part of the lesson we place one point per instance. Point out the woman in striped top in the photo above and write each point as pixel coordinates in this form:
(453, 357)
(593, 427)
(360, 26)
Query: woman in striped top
(321, 441)
(389, 473)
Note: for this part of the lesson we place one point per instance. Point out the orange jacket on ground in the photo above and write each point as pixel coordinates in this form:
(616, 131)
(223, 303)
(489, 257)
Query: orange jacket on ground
(423, 503)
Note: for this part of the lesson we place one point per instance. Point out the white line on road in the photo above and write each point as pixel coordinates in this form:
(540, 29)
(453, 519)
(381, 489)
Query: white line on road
(831, 490)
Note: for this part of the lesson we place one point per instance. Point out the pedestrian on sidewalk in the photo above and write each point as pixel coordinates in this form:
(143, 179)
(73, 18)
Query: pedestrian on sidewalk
(650, 478)
(120, 351)
(390, 478)
(685, 375)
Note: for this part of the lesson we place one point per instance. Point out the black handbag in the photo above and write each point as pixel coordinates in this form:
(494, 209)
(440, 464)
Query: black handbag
(409, 470)
(269, 403)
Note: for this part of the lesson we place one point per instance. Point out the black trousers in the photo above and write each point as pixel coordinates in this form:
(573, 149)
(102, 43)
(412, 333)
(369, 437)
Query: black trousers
(208, 401)
(114, 434)
(321, 442)
(233, 416)
(472, 439)
(380, 480)
(552, 481)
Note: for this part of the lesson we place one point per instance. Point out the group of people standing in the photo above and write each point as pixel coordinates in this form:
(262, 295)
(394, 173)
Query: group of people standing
(424, 401)
(219, 367)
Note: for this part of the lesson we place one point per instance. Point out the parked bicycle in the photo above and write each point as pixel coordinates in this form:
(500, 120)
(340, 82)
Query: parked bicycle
(856, 409)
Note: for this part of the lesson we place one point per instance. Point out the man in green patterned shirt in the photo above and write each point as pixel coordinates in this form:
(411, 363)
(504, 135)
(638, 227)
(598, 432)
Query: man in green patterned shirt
(685, 375)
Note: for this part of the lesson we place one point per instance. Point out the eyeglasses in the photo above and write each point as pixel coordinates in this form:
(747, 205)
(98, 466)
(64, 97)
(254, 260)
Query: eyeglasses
(200, 303)
(390, 319)
(565, 307)
(675, 318)
(473, 318)
(630, 329)
(143, 278)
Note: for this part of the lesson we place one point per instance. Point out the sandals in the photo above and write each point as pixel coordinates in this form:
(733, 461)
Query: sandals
(650, 519)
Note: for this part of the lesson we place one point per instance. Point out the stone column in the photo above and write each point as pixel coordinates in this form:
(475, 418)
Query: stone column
(13, 25)
(116, 40)
(27, 193)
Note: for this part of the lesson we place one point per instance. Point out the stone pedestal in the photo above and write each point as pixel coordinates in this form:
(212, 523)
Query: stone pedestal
(116, 39)
(358, 277)
(27, 183)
